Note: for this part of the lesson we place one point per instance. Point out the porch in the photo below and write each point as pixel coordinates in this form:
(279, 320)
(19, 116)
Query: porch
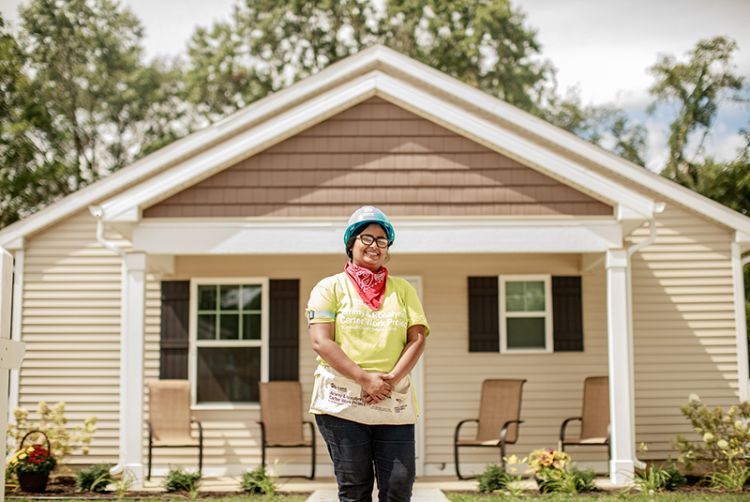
(555, 377)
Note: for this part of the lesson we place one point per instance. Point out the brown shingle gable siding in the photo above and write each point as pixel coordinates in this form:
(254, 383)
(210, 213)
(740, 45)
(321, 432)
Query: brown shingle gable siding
(381, 154)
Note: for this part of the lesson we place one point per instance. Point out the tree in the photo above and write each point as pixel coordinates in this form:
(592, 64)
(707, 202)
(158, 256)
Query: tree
(78, 101)
(606, 126)
(29, 175)
(268, 44)
(697, 87)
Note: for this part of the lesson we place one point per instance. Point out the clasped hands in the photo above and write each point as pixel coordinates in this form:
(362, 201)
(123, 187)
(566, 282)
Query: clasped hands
(377, 386)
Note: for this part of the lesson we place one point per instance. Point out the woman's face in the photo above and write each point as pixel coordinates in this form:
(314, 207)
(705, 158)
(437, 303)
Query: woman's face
(370, 257)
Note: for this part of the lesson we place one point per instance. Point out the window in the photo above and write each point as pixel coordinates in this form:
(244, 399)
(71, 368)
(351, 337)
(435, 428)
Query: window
(525, 313)
(228, 341)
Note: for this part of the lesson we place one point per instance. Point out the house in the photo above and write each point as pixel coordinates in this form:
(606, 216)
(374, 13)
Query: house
(139, 276)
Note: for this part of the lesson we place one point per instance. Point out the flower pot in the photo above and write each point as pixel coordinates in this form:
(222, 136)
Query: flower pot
(35, 482)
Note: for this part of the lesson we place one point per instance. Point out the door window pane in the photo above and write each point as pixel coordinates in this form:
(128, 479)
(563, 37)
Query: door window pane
(228, 374)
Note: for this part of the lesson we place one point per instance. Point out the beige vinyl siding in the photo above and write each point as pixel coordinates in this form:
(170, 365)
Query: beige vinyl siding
(452, 375)
(684, 328)
(71, 327)
(380, 153)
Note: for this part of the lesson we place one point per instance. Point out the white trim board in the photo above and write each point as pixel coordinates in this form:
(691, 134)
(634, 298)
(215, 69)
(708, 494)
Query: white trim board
(417, 236)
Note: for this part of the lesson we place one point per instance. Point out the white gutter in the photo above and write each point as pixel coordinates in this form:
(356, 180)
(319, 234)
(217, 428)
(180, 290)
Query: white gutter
(98, 213)
(640, 464)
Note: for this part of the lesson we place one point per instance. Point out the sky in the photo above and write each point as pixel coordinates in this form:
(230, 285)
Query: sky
(601, 47)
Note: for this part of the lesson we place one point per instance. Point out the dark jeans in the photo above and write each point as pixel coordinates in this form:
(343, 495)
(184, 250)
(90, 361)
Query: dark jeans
(356, 448)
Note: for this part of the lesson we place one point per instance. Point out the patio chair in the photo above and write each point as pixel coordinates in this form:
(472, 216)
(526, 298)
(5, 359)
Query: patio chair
(594, 416)
(169, 419)
(498, 422)
(281, 424)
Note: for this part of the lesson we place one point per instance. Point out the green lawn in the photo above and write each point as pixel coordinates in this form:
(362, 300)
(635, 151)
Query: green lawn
(661, 497)
(185, 498)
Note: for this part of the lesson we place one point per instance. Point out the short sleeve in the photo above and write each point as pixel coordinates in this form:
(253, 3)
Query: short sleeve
(322, 305)
(414, 311)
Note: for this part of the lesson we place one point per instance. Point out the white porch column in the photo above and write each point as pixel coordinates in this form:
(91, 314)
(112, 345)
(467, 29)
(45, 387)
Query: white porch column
(621, 468)
(131, 366)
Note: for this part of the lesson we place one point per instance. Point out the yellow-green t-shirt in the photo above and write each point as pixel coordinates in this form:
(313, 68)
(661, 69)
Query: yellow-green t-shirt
(373, 339)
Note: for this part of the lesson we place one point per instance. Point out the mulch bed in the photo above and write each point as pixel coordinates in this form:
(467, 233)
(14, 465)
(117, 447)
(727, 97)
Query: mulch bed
(65, 487)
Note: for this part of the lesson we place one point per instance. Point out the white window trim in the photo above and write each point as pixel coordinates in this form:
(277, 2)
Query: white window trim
(548, 340)
(194, 342)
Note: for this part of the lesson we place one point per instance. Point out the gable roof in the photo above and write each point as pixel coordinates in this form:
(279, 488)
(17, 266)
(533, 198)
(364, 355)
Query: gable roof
(406, 82)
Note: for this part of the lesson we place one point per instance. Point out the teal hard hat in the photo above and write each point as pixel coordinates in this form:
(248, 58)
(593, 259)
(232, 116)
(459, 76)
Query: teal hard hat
(364, 216)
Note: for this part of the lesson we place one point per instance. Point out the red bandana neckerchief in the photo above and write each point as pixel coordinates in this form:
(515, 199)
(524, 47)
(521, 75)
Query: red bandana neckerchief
(370, 285)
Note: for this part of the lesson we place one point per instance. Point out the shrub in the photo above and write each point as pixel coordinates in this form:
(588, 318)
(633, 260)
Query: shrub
(725, 436)
(555, 472)
(94, 479)
(658, 478)
(733, 479)
(258, 482)
(493, 478)
(583, 479)
(64, 439)
(548, 463)
(569, 481)
(179, 480)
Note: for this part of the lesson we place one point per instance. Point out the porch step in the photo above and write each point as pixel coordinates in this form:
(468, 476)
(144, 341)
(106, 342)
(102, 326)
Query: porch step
(419, 495)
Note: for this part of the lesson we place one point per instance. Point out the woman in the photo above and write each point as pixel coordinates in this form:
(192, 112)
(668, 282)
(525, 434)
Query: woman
(368, 328)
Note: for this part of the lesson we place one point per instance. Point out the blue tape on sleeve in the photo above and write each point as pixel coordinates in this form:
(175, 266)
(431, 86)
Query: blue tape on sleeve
(320, 314)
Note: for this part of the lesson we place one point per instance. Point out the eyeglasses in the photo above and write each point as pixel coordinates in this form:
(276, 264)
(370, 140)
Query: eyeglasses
(368, 239)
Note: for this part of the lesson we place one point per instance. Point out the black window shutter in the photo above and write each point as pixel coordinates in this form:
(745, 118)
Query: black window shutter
(567, 314)
(284, 326)
(175, 319)
(484, 335)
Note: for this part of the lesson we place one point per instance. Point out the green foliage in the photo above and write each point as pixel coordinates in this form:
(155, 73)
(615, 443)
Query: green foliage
(31, 458)
(569, 481)
(94, 479)
(258, 482)
(268, 44)
(555, 472)
(63, 438)
(724, 435)
(493, 478)
(123, 484)
(77, 100)
(659, 478)
(179, 480)
(732, 479)
(697, 87)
